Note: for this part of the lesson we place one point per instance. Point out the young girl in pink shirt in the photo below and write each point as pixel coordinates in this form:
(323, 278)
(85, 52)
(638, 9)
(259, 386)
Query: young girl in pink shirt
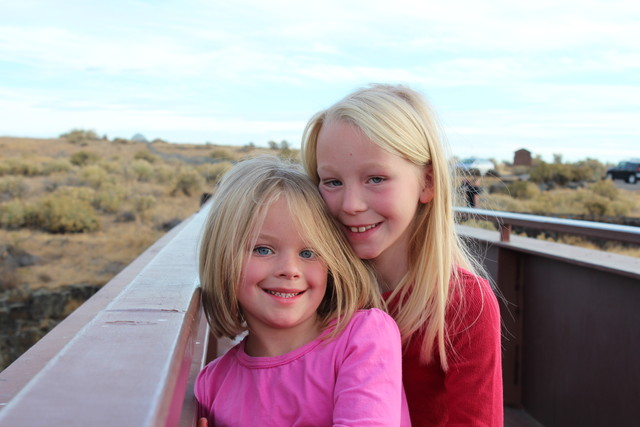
(378, 161)
(318, 351)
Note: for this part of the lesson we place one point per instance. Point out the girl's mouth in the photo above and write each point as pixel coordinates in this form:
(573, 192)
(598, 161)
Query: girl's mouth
(283, 294)
(362, 228)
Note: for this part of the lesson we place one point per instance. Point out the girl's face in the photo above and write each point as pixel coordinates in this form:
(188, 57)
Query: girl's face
(371, 192)
(284, 280)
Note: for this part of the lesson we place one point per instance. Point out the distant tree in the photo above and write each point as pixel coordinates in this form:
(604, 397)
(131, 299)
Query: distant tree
(80, 136)
(557, 159)
(273, 145)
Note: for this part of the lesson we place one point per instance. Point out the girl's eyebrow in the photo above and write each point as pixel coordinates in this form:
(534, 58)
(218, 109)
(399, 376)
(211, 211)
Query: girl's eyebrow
(366, 164)
(326, 168)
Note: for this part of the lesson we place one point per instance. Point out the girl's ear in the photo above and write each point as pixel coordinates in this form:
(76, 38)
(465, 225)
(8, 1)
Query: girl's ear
(426, 194)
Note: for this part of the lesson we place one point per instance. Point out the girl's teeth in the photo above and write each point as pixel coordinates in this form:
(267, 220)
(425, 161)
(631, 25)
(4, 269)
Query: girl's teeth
(361, 229)
(283, 295)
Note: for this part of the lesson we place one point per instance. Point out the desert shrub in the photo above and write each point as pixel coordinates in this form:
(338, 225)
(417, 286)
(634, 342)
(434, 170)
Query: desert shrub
(621, 207)
(85, 194)
(56, 166)
(109, 198)
(521, 170)
(188, 182)
(80, 136)
(212, 172)
(145, 155)
(142, 169)
(113, 167)
(605, 188)
(83, 158)
(590, 170)
(122, 141)
(557, 173)
(289, 154)
(501, 202)
(142, 204)
(247, 148)
(20, 166)
(15, 214)
(13, 187)
(558, 201)
(66, 212)
(93, 176)
(221, 154)
(498, 187)
(597, 206)
(523, 190)
(164, 173)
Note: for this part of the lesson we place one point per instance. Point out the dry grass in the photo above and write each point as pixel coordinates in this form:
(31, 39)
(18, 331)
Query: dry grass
(599, 198)
(122, 180)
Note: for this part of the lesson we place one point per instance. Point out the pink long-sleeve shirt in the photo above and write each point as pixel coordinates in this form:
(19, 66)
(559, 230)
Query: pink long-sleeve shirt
(353, 379)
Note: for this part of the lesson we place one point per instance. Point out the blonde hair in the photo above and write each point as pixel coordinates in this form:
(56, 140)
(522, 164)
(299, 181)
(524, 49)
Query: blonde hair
(237, 211)
(400, 121)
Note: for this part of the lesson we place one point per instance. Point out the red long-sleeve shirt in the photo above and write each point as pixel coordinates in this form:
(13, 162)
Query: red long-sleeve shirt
(470, 392)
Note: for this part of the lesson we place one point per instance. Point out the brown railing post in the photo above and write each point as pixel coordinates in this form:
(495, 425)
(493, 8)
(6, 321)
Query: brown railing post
(505, 232)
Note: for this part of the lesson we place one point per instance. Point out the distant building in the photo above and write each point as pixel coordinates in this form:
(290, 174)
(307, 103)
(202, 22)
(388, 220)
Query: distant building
(522, 157)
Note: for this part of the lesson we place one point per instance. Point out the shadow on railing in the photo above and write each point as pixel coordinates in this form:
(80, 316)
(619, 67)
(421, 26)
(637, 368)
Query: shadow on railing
(129, 355)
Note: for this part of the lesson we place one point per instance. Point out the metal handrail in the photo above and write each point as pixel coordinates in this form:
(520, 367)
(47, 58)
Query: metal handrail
(504, 220)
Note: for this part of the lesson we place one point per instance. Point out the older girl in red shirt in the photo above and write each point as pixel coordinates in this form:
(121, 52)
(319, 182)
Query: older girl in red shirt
(381, 168)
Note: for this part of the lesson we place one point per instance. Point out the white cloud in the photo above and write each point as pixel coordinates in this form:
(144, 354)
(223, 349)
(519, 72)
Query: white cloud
(504, 72)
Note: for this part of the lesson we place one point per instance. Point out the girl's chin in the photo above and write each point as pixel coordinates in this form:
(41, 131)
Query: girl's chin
(367, 253)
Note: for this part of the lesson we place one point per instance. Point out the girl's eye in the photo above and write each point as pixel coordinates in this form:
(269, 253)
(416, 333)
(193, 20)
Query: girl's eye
(307, 254)
(332, 183)
(262, 250)
(376, 179)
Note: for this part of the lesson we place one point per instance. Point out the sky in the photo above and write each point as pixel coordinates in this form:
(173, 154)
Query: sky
(553, 77)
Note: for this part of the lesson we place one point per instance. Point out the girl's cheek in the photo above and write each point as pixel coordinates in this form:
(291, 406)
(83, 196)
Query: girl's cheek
(332, 202)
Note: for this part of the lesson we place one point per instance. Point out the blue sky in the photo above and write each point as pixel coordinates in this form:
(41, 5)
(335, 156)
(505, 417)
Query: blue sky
(550, 76)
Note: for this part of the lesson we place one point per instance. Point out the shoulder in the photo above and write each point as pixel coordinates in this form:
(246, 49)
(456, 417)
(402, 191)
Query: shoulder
(471, 289)
(472, 302)
(372, 317)
(372, 322)
(212, 370)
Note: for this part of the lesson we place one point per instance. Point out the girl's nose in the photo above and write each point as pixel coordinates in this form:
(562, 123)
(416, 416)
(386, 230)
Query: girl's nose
(352, 201)
(289, 267)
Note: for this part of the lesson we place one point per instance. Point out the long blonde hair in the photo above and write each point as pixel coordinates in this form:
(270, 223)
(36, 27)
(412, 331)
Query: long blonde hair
(400, 121)
(237, 211)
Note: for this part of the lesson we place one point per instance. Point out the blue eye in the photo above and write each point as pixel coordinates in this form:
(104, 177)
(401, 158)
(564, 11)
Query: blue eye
(262, 250)
(307, 254)
(376, 179)
(332, 183)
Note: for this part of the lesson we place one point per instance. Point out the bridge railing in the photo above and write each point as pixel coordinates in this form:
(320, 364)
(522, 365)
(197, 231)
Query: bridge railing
(127, 356)
(570, 317)
(130, 354)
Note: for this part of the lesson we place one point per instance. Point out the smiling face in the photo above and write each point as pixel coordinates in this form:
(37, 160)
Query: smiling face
(374, 194)
(284, 281)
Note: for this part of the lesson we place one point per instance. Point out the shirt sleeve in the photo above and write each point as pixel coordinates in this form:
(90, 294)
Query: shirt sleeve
(474, 379)
(203, 392)
(368, 388)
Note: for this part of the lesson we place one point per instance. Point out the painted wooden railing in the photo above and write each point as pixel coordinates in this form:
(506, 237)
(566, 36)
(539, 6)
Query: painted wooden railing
(129, 355)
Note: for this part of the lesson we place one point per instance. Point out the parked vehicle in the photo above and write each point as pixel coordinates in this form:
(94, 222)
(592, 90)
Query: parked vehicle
(627, 170)
(474, 166)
